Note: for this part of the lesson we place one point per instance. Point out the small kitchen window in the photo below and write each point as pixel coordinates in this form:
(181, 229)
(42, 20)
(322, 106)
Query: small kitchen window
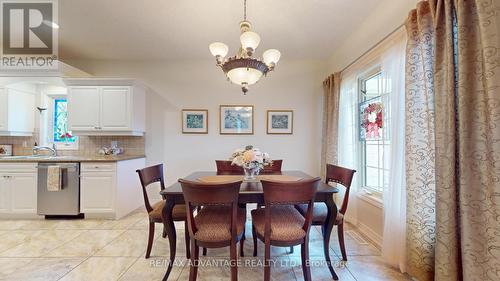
(62, 136)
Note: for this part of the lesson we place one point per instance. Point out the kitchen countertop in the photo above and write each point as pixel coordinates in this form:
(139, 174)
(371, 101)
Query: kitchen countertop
(98, 158)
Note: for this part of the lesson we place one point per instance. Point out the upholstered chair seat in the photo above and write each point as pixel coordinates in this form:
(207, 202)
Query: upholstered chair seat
(213, 223)
(320, 212)
(178, 213)
(286, 223)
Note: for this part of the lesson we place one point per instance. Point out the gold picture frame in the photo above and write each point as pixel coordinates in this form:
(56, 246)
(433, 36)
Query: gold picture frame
(191, 121)
(237, 120)
(279, 122)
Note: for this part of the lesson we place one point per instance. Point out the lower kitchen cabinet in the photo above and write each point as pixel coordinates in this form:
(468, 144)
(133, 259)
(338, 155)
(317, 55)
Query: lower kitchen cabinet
(110, 189)
(97, 192)
(18, 189)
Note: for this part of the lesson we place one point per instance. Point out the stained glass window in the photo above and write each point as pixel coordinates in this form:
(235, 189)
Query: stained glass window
(61, 132)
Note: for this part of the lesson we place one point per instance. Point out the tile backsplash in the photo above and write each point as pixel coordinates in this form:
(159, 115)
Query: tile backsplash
(88, 145)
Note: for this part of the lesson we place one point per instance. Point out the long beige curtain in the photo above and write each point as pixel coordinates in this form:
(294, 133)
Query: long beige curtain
(453, 140)
(331, 88)
(420, 152)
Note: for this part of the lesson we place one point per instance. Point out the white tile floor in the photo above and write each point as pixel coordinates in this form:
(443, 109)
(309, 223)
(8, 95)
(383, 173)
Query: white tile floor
(114, 250)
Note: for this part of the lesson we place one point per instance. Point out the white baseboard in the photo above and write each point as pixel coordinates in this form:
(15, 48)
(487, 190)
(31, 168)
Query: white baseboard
(370, 234)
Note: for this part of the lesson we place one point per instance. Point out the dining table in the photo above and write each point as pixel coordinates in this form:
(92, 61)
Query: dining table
(250, 192)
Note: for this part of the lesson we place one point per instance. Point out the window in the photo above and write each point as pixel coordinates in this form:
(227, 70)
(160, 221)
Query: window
(373, 124)
(62, 137)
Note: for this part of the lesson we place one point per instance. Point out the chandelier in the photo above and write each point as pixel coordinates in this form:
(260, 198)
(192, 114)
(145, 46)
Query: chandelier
(243, 69)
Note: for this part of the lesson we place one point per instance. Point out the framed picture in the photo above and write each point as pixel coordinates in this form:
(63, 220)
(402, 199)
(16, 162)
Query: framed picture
(236, 120)
(371, 119)
(195, 121)
(280, 122)
(5, 150)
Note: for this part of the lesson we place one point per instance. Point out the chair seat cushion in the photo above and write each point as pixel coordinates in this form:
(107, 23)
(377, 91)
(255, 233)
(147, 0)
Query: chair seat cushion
(178, 213)
(320, 212)
(286, 223)
(214, 223)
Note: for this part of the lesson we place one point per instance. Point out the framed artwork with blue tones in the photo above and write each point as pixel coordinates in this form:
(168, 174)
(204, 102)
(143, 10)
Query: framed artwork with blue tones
(236, 120)
(195, 121)
(280, 122)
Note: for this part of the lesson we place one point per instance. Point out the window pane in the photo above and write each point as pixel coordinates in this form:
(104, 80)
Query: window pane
(371, 155)
(372, 177)
(61, 133)
(371, 86)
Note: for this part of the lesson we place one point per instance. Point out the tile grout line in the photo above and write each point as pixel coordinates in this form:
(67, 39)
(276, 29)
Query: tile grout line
(128, 268)
(85, 259)
(90, 256)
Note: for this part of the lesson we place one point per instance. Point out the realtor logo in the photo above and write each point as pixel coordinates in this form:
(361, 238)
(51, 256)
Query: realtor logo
(29, 34)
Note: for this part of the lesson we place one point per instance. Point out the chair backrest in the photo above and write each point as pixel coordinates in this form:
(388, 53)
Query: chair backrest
(344, 177)
(148, 176)
(290, 193)
(224, 167)
(197, 194)
(275, 167)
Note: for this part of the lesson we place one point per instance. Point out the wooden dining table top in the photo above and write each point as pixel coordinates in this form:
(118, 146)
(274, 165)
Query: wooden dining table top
(249, 187)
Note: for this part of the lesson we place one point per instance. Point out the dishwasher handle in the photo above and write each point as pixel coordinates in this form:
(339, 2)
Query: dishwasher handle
(62, 166)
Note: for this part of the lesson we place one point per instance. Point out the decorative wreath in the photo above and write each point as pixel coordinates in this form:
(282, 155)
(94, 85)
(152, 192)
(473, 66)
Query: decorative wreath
(372, 119)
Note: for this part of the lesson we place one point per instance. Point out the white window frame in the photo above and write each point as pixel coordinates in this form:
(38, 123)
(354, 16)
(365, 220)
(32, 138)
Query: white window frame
(381, 169)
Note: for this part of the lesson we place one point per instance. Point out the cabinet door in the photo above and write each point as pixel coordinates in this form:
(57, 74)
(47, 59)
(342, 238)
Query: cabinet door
(83, 108)
(97, 192)
(115, 108)
(3, 110)
(23, 193)
(4, 194)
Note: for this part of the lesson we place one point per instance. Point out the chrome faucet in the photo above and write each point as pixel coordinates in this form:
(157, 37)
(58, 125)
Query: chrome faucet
(53, 151)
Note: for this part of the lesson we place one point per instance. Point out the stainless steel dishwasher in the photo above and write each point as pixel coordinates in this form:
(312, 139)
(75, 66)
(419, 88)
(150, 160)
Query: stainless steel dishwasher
(64, 202)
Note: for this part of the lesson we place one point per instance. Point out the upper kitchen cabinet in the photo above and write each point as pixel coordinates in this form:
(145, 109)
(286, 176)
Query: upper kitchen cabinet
(109, 107)
(17, 112)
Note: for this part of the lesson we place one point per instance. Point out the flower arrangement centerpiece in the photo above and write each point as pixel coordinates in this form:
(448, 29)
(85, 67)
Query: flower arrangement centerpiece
(251, 159)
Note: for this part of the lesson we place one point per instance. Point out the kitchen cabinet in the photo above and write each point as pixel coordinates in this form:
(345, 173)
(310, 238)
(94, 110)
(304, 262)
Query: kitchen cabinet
(106, 107)
(23, 193)
(110, 190)
(97, 191)
(18, 189)
(85, 114)
(17, 112)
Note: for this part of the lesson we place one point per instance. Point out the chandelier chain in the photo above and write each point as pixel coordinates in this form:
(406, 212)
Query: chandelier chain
(245, 10)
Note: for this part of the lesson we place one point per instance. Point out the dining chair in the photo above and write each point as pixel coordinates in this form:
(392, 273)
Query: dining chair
(280, 224)
(224, 167)
(219, 223)
(148, 176)
(343, 176)
(275, 167)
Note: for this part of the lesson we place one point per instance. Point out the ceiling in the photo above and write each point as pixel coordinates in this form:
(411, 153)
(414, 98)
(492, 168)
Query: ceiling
(182, 29)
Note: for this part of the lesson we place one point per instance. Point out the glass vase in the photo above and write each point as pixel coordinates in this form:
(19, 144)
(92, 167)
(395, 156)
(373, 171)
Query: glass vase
(251, 174)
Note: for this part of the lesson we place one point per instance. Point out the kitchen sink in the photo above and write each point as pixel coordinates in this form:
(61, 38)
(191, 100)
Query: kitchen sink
(35, 157)
(23, 157)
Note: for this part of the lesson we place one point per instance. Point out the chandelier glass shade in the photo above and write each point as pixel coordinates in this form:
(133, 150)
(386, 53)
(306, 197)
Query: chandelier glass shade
(243, 69)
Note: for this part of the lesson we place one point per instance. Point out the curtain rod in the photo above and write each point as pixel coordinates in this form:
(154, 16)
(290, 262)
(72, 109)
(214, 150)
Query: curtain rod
(373, 47)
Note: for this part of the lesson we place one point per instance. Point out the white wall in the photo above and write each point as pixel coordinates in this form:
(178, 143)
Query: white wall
(388, 15)
(186, 84)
